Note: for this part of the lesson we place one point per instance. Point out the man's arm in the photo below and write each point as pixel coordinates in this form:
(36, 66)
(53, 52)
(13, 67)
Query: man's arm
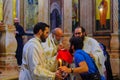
(98, 55)
(38, 64)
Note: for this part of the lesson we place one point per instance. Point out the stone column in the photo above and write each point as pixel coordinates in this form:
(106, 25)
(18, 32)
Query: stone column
(7, 12)
(67, 17)
(8, 44)
(86, 15)
(43, 14)
(114, 35)
(21, 14)
(1, 11)
(114, 43)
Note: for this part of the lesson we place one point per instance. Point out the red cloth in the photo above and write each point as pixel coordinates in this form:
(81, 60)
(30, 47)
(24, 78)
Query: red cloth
(65, 55)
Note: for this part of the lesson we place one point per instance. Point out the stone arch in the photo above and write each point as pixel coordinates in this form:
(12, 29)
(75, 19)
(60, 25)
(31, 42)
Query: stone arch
(55, 15)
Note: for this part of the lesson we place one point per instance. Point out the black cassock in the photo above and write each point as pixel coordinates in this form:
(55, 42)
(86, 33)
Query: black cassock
(19, 34)
(107, 62)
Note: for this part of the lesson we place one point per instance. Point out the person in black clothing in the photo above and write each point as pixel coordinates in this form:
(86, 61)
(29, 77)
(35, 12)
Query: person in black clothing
(107, 62)
(19, 33)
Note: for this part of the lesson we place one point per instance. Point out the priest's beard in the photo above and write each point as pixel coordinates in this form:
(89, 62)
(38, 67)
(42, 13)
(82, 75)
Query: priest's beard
(56, 41)
(43, 39)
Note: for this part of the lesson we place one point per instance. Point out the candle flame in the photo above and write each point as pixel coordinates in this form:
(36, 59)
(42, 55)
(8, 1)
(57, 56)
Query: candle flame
(101, 9)
(60, 62)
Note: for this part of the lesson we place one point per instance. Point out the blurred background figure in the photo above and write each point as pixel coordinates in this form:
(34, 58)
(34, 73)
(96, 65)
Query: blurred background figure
(19, 33)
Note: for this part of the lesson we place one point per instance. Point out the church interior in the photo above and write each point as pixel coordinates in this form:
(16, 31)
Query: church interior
(102, 25)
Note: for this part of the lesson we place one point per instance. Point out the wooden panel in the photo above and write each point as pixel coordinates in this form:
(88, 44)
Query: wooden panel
(105, 40)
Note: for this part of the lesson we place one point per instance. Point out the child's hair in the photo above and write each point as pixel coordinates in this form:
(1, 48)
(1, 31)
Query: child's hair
(65, 43)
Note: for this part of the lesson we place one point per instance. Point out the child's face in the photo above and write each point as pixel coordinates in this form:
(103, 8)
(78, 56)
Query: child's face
(60, 46)
(65, 43)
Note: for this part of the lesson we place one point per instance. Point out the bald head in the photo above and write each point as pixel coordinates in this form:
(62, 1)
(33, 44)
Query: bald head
(57, 34)
(58, 31)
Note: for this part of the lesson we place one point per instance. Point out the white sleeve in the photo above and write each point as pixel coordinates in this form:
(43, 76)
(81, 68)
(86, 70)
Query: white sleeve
(38, 63)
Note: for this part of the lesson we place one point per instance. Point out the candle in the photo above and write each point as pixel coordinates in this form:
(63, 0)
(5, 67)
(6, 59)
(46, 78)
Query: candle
(101, 9)
(60, 62)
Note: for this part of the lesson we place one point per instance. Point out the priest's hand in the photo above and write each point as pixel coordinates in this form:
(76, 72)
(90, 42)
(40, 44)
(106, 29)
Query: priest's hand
(91, 55)
(61, 74)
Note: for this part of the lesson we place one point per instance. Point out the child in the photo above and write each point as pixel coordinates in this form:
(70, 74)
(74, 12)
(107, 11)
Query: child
(65, 56)
(63, 52)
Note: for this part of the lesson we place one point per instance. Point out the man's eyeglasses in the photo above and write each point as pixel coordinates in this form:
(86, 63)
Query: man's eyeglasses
(78, 33)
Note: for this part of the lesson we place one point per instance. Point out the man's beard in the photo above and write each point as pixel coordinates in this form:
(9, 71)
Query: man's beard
(43, 39)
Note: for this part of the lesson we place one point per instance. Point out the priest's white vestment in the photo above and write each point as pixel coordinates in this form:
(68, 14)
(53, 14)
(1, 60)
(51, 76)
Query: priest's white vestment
(35, 66)
(50, 50)
(92, 46)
